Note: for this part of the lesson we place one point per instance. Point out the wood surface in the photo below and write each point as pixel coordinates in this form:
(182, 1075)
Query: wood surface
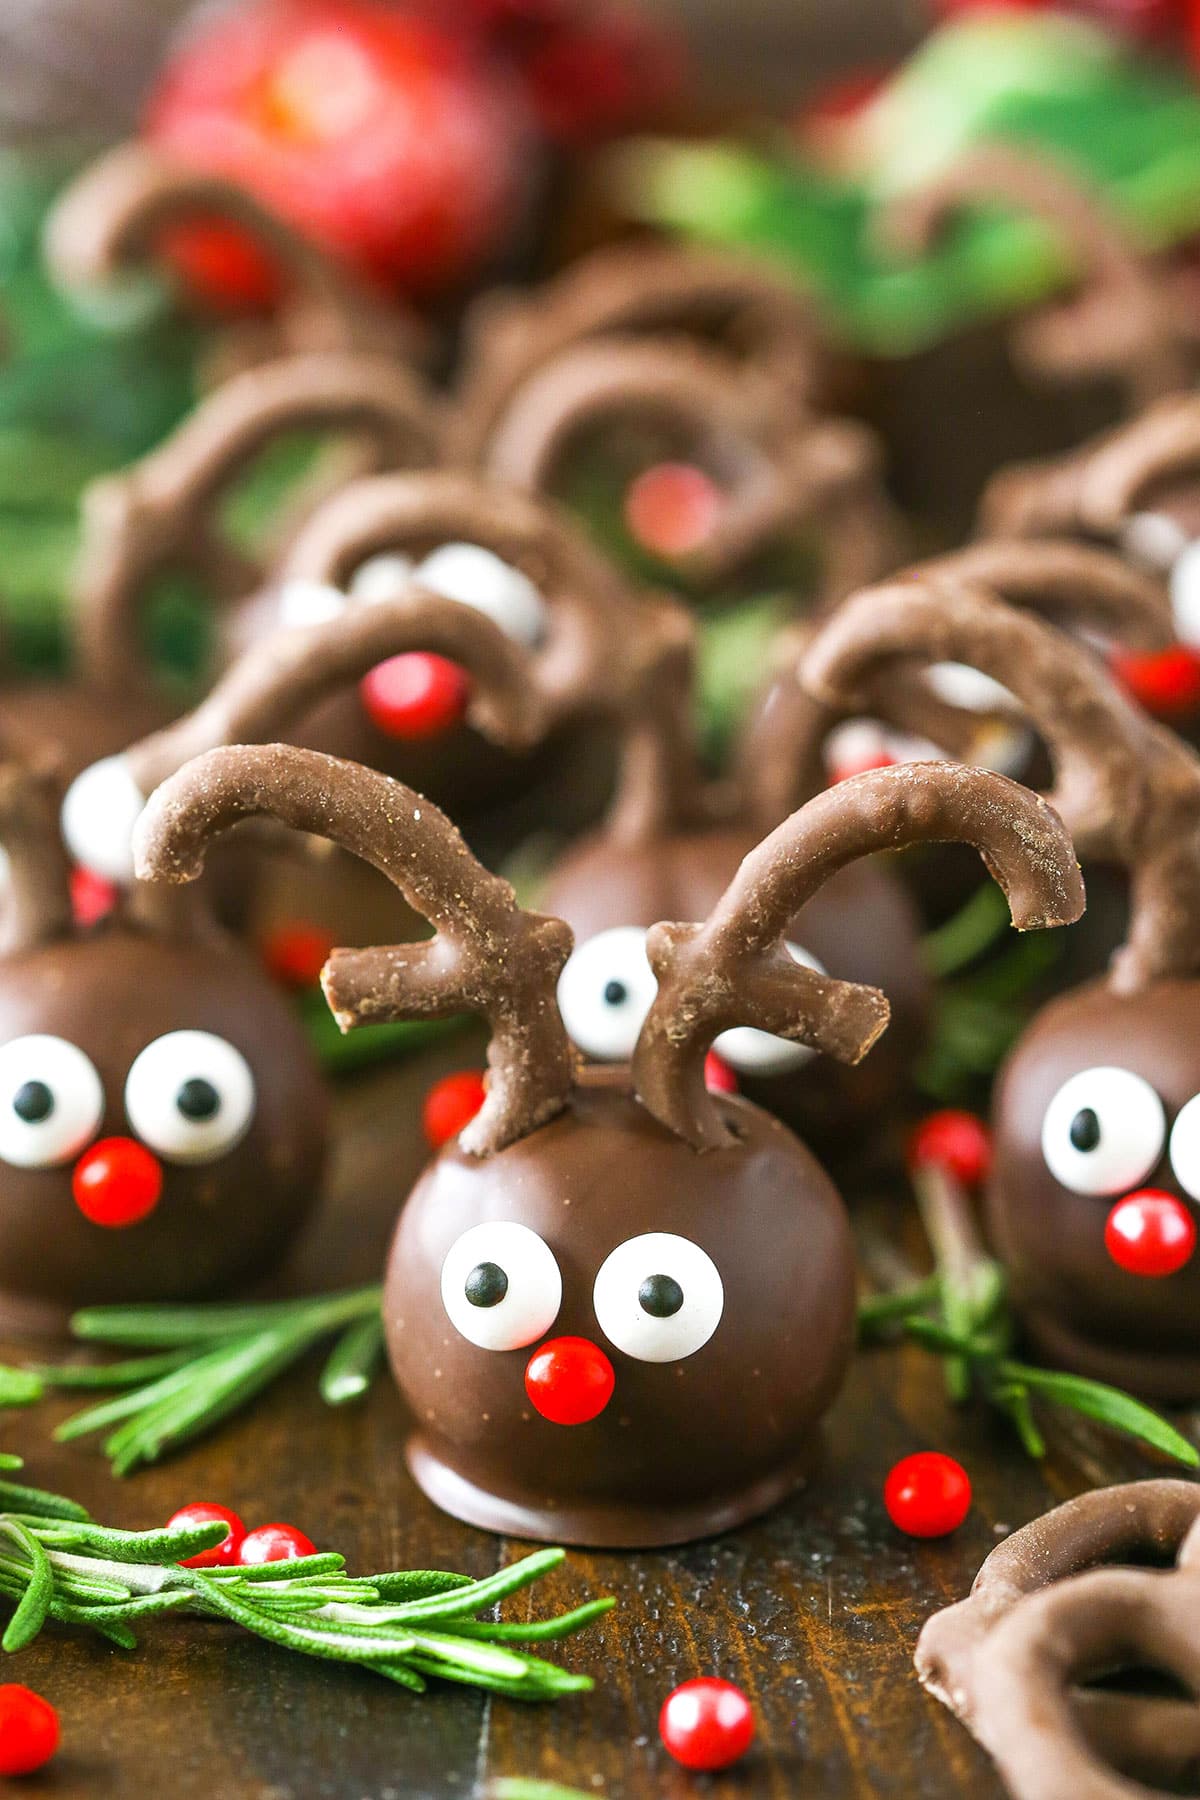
(814, 1610)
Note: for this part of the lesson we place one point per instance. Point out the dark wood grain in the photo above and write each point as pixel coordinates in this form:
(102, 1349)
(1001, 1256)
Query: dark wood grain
(814, 1610)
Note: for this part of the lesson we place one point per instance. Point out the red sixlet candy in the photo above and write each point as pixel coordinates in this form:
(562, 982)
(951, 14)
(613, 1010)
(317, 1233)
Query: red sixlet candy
(1167, 683)
(450, 1104)
(956, 1142)
(295, 954)
(1150, 1233)
(927, 1495)
(671, 508)
(92, 897)
(204, 1512)
(28, 1730)
(274, 1543)
(719, 1078)
(706, 1723)
(117, 1182)
(415, 695)
(569, 1380)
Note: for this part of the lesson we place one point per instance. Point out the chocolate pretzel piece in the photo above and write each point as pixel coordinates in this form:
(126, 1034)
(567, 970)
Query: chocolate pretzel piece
(1124, 320)
(1052, 1606)
(756, 313)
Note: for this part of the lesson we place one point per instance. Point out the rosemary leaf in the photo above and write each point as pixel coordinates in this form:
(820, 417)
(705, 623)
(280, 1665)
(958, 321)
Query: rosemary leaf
(34, 1604)
(14, 1497)
(353, 1362)
(493, 1588)
(1108, 1406)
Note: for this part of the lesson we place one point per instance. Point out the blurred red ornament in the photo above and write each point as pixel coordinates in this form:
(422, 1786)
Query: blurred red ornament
(380, 134)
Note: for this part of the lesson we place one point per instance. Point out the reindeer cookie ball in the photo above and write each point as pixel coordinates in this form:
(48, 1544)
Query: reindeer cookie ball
(1093, 1200)
(162, 1123)
(616, 1306)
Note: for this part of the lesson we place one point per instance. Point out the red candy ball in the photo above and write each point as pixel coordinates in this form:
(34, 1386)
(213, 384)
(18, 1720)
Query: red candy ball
(28, 1730)
(450, 1104)
(117, 1182)
(569, 1380)
(671, 508)
(415, 695)
(1150, 1233)
(956, 1142)
(92, 897)
(927, 1495)
(706, 1724)
(719, 1078)
(1167, 683)
(203, 1512)
(273, 1543)
(294, 955)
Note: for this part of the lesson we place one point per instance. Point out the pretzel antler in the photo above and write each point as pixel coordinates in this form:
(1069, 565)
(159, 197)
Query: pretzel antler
(37, 900)
(1129, 789)
(1161, 446)
(735, 970)
(488, 956)
(111, 219)
(639, 288)
(780, 471)
(160, 511)
(1080, 585)
(1122, 322)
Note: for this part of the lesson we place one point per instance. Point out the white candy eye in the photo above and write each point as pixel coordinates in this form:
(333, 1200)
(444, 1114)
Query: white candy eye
(51, 1101)
(754, 1052)
(99, 811)
(1185, 1148)
(1154, 540)
(190, 1096)
(961, 685)
(303, 603)
(501, 1286)
(477, 577)
(1103, 1131)
(658, 1297)
(605, 992)
(1185, 594)
(381, 577)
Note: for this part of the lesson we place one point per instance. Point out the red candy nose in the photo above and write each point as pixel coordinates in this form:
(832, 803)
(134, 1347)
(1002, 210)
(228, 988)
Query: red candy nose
(671, 508)
(117, 1182)
(416, 695)
(1150, 1233)
(1166, 682)
(569, 1380)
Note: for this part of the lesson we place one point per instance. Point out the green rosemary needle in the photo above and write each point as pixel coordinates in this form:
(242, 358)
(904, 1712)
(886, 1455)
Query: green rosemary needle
(57, 1564)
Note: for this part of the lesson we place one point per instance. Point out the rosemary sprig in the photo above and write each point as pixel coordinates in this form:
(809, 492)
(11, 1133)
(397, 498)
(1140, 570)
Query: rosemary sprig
(202, 1364)
(58, 1564)
(961, 1314)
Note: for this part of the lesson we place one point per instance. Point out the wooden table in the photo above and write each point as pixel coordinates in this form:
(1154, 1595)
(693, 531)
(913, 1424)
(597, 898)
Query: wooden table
(814, 1610)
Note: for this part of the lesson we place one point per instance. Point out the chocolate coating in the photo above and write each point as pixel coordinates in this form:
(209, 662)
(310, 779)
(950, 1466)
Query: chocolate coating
(862, 926)
(683, 1449)
(218, 1223)
(1080, 1307)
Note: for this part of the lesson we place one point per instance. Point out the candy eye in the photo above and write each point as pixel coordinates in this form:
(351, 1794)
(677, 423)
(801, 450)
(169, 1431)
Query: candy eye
(658, 1297)
(51, 1101)
(381, 577)
(1154, 540)
(1185, 1148)
(501, 1286)
(1185, 594)
(477, 577)
(605, 992)
(1103, 1131)
(99, 811)
(190, 1096)
(303, 603)
(754, 1052)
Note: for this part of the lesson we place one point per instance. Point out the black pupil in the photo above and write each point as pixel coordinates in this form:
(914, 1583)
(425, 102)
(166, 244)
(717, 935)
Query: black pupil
(198, 1099)
(1085, 1129)
(616, 993)
(33, 1102)
(660, 1296)
(486, 1285)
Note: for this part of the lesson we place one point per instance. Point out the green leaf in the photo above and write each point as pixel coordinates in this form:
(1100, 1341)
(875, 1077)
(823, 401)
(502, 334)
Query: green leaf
(520, 1787)
(353, 1362)
(19, 1387)
(1108, 1406)
(34, 1605)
